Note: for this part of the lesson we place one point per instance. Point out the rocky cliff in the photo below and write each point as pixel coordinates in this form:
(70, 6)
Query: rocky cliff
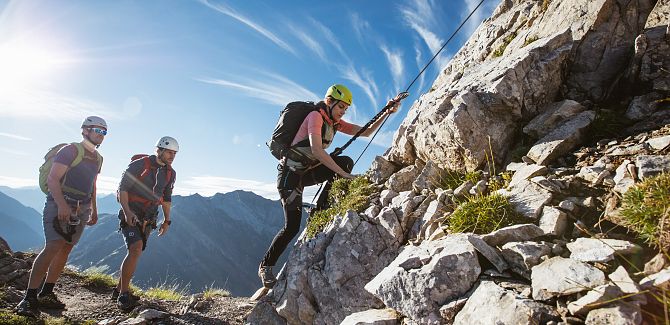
(571, 98)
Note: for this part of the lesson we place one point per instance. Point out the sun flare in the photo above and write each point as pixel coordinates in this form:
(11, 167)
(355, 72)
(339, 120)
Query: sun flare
(24, 66)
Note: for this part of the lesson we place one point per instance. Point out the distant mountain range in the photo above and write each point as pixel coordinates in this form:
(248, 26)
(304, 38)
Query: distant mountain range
(213, 241)
(21, 225)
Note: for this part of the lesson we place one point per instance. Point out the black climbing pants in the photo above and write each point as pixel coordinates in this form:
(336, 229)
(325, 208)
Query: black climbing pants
(290, 185)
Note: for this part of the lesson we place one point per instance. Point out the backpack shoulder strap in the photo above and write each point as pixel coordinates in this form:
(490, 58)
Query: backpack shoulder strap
(79, 156)
(99, 156)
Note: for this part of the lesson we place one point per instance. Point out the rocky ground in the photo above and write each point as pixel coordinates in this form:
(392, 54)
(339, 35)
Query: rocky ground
(92, 303)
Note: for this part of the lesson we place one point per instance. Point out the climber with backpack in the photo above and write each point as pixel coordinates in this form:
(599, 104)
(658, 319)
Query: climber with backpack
(146, 184)
(67, 177)
(304, 131)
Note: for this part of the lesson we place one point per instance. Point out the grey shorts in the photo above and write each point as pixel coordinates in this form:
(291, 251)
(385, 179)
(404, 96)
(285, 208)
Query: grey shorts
(132, 234)
(50, 214)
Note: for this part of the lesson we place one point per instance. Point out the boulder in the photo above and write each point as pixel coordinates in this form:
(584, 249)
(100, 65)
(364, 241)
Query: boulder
(522, 256)
(660, 280)
(659, 143)
(554, 114)
(561, 140)
(595, 298)
(526, 172)
(641, 107)
(649, 166)
(372, 317)
(514, 233)
(428, 177)
(527, 198)
(600, 250)
(560, 276)
(553, 221)
(448, 269)
(381, 169)
(621, 314)
(491, 304)
(402, 180)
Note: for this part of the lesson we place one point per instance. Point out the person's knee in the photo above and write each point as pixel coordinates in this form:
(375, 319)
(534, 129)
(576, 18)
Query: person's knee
(135, 249)
(66, 249)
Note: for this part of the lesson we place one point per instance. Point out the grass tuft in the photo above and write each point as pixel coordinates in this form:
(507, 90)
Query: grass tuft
(646, 210)
(169, 292)
(451, 179)
(545, 5)
(95, 278)
(501, 49)
(483, 214)
(530, 40)
(344, 195)
(212, 292)
(8, 317)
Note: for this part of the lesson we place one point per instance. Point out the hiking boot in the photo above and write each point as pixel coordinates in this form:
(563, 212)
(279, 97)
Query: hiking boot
(125, 303)
(115, 295)
(50, 301)
(28, 307)
(267, 278)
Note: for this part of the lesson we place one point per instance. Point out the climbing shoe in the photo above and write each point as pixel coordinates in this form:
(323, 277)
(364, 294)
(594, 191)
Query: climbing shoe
(50, 301)
(267, 278)
(28, 307)
(125, 303)
(115, 295)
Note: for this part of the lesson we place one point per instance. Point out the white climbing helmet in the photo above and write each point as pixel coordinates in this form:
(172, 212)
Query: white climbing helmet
(93, 121)
(168, 143)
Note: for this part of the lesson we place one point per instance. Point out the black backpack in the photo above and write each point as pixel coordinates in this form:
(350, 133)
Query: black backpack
(290, 119)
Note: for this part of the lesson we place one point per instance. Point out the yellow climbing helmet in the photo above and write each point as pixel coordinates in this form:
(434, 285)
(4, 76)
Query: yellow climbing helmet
(339, 92)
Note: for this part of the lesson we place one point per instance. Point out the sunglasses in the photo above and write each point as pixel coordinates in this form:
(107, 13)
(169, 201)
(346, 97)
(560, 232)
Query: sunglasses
(99, 131)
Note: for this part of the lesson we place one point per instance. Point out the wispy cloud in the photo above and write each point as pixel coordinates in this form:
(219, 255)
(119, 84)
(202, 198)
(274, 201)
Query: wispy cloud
(17, 182)
(419, 15)
(274, 89)
(361, 28)
(419, 65)
(332, 39)
(394, 58)
(364, 80)
(36, 104)
(311, 43)
(14, 136)
(228, 11)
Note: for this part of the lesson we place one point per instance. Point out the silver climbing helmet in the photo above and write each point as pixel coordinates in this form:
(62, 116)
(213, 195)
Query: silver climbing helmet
(168, 143)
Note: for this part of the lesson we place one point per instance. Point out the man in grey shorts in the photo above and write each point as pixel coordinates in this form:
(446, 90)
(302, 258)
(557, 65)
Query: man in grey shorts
(70, 205)
(146, 184)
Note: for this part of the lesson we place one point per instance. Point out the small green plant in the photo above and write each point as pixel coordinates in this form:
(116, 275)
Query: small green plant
(500, 182)
(530, 40)
(165, 291)
(344, 195)
(646, 210)
(483, 214)
(451, 179)
(8, 317)
(212, 292)
(96, 279)
(501, 49)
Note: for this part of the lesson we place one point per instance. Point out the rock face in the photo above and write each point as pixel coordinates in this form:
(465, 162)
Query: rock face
(480, 99)
(541, 70)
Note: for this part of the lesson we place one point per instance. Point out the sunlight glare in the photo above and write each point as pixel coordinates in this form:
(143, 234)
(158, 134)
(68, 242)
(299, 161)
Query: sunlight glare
(24, 66)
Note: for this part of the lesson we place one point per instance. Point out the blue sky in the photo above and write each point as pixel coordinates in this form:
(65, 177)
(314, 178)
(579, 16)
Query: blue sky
(213, 74)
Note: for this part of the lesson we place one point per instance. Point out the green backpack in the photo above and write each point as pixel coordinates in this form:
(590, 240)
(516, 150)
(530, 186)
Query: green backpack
(45, 169)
